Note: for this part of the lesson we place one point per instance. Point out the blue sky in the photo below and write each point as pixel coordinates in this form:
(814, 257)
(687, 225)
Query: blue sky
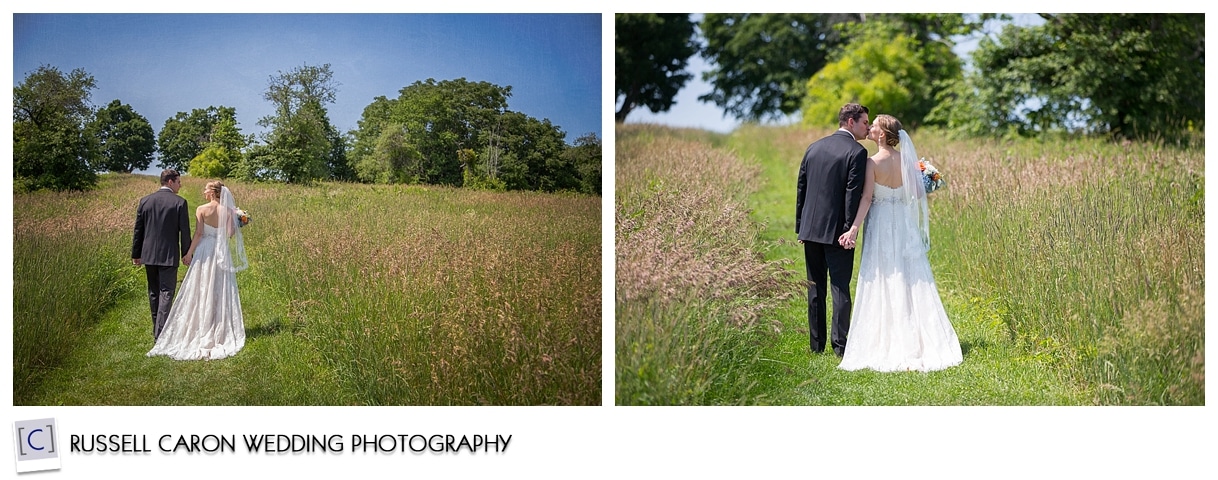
(162, 64)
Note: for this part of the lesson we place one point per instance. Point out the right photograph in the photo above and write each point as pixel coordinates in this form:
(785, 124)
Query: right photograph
(909, 209)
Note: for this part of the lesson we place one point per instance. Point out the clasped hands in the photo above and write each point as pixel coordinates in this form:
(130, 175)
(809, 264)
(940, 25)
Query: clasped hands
(847, 240)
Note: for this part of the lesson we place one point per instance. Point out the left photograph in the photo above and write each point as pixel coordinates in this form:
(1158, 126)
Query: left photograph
(292, 209)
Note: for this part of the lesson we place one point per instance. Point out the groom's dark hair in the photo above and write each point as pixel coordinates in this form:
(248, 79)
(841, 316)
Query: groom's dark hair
(850, 111)
(167, 175)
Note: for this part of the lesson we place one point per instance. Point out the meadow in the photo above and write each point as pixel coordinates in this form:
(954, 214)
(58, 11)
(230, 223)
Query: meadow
(355, 295)
(1072, 270)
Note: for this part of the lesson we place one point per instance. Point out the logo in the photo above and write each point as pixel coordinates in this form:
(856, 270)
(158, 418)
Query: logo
(37, 445)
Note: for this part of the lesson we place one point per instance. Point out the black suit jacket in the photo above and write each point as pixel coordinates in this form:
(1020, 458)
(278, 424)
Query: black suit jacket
(829, 188)
(162, 224)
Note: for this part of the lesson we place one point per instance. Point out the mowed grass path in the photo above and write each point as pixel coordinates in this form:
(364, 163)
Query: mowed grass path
(111, 369)
(355, 295)
(996, 370)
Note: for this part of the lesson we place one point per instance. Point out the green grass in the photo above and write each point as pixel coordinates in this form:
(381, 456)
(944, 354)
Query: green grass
(356, 295)
(1072, 271)
(691, 288)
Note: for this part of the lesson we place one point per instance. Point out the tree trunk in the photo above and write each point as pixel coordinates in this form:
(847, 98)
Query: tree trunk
(627, 105)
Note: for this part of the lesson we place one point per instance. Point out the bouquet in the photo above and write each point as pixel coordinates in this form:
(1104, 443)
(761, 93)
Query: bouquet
(931, 178)
(243, 217)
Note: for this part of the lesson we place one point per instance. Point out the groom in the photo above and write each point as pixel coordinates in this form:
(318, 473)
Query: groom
(827, 196)
(162, 225)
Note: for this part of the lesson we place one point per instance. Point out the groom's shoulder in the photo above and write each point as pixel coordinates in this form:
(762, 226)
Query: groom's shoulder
(163, 196)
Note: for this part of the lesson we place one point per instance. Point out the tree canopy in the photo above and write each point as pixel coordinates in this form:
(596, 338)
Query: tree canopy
(301, 145)
(184, 136)
(761, 62)
(879, 72)
(461, 133)
(650, 55)
(51, 148)
(125, 139)
(1129, 75)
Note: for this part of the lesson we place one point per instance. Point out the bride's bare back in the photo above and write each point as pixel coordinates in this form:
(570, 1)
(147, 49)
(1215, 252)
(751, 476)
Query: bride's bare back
(887, 168)
(209, 213)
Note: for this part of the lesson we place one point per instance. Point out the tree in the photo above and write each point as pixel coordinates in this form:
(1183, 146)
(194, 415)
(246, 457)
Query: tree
(186, 135)
(585, 156)
(125, 139)
(1129, 75)
(460, 133)
(930, 47)
(365, 137)
(879, 71)
(301, 138)
(445, 117)
(339, 165)
(531, 155)
(222, 154)
(50, 146)
(393, 160)
(650, 55)
(762, 62)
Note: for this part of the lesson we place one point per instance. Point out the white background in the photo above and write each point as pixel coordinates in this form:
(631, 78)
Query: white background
(626, 442)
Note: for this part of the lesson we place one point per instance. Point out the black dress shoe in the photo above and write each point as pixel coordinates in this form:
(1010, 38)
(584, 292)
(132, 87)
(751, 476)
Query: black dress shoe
(840, 353)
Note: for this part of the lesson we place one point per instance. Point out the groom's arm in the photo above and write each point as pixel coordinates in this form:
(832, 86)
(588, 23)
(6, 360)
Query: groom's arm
(801, 187)
(184, 227)
(137, 242)
(855, 173)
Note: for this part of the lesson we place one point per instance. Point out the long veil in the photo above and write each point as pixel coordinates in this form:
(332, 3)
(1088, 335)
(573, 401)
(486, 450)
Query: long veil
(913, 188)
(230, 247)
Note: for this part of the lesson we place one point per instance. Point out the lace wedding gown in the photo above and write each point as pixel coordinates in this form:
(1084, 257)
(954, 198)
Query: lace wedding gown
(205, 322)
(898, 322)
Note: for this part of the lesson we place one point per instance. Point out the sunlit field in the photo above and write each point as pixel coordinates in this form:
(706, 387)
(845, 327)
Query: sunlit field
(1072, 269)
(355, 295)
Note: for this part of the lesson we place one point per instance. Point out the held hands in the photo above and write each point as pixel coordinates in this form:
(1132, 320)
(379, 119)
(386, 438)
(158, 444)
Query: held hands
(847, 240)
(189, 256)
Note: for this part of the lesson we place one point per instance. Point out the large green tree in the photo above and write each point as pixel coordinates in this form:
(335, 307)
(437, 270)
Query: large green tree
(302, 139)
(761, 62)
(125, 139)
(51, 149)
(440, 118)
(222, 155)
(1129, 75)
(461, 133)
(650, 55)
(184, 136)
(881, 72)
(393, 159)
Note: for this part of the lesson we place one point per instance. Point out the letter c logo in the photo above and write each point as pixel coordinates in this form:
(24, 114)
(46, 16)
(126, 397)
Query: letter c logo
(31, 436)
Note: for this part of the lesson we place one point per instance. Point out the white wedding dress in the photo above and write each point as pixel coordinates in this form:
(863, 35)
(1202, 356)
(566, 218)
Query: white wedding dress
(205, 322)
(898, 322)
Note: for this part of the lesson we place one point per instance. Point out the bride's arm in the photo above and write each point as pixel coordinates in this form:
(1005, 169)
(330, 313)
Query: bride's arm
(848, 239)
(194, 242)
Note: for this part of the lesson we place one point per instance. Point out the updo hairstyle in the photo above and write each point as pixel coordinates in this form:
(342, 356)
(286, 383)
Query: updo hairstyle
(891, 128)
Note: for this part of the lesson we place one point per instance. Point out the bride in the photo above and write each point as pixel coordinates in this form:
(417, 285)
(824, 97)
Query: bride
(898, 322)
(205, 321)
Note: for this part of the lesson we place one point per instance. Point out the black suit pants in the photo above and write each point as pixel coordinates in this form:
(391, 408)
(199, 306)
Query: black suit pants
(162, 281)
(838, 263)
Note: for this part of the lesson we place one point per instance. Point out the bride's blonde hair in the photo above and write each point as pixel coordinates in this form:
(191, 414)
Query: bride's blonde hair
(891, 126)
(214, 187)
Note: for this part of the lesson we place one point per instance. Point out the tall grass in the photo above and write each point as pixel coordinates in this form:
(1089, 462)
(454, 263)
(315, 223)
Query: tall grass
(691, 287)
(70, 263)
(405, 295)
(1089, 252)
(1095, 250)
